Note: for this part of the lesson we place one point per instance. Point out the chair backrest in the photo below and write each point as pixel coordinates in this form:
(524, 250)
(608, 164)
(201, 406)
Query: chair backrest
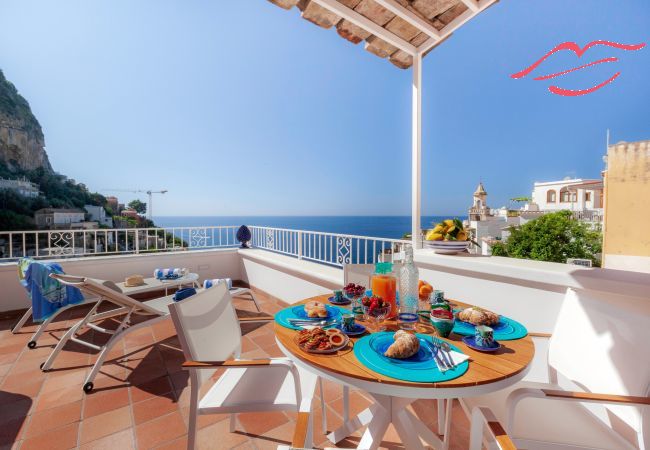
(106, 290)
(360, 273)
(207, 327)
(600, 344)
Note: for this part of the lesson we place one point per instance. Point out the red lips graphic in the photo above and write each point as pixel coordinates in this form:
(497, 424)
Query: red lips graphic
(575, 48)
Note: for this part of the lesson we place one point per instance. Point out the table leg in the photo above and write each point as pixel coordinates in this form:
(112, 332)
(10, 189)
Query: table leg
(378, 425)
(386, 410)
(441, 415)
(349, 427)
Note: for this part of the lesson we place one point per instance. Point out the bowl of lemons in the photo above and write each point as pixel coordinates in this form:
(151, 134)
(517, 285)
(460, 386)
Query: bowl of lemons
(447, 237)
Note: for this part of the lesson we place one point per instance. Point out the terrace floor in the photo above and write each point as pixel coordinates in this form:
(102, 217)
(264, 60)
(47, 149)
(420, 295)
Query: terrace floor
(141, 396)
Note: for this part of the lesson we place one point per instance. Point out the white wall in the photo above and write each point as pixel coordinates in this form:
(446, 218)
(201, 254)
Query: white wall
(207, 263)
(287, 278)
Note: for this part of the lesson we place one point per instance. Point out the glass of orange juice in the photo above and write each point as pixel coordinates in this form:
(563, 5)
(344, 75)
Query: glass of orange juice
(384, 284)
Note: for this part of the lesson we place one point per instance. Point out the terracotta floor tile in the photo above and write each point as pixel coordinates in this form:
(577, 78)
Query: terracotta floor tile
(160, 430)
(176, 444)
(12, 430)
(98, 402)
(204, 420)
(53, 418)
(152, 388)
(123, 440)
(219, 437)
(260, 422)
(105, 424)
(61, 438)
(59, 397)
(64, 379)
(270, 440)
(28, 389)
(357, 403)
(149, 409)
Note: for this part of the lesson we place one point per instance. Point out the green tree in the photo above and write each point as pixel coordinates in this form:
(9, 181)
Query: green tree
(552, 237)
(138, 205)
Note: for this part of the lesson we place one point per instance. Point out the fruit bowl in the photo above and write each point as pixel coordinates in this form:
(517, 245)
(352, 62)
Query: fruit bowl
(447, 247)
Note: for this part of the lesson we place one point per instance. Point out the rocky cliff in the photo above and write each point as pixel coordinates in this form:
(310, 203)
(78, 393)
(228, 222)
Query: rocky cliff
(21, 138)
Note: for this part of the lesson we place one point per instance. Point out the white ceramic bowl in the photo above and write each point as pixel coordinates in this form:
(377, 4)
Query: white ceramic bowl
(447, 247)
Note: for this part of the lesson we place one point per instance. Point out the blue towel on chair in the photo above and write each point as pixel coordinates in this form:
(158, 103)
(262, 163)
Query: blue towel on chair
(47, 294)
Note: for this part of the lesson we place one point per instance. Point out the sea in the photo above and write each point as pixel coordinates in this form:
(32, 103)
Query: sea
(393, 227)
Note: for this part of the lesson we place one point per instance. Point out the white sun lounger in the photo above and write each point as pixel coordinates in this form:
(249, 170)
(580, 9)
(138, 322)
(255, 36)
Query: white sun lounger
(106, 291)
(150, 284)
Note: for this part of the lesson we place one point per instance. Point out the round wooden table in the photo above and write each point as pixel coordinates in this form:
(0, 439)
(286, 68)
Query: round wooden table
(487, 372)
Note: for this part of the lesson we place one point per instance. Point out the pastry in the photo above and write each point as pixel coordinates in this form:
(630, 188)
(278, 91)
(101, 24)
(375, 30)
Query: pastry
(315, 310)
(405, 345)
(478, 316)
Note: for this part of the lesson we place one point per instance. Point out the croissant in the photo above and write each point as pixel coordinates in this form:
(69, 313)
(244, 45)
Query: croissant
(478, 316)
(405, 345)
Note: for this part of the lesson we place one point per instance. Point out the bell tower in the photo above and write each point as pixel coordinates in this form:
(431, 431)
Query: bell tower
(479, 209)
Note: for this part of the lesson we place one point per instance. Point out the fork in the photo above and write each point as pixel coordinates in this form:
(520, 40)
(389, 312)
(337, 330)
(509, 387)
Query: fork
(440, 346)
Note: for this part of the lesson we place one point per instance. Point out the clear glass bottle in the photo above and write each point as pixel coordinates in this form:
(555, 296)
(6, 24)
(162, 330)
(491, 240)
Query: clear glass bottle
(408, 292)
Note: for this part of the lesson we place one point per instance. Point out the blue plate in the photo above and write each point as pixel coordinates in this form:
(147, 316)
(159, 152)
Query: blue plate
(357, 331)
(420, 367)
(345, 301)
(506, 330)
(282, 317)
(470, 341)
(300, 313)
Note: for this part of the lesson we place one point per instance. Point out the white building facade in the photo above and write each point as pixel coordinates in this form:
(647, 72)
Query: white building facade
(23, 187)
(572, 194)
(98, 214)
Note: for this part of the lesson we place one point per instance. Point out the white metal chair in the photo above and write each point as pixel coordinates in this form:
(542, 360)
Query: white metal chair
(244, 291)
(210, 335)
(106, 291)
(598, 392)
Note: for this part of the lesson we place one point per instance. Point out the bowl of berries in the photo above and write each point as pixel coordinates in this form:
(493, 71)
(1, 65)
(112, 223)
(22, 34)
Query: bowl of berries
(354, 291)
(376, 309)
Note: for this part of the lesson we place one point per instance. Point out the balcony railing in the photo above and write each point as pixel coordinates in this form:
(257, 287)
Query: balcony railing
(327, 248)
(73, 243)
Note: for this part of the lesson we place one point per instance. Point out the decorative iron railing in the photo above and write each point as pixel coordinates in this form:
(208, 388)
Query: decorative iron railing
(328, 248)
(95, 242)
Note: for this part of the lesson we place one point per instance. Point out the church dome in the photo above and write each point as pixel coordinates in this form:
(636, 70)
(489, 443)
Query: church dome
(480, 190)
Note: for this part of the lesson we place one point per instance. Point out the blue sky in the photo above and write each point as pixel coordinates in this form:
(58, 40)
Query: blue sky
(243, 108)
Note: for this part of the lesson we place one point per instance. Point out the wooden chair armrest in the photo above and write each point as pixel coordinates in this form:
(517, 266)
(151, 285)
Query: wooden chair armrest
(300, 433)
(482, 416)
(542, 335)
(227, 363)
(600, 398)
(255, 319)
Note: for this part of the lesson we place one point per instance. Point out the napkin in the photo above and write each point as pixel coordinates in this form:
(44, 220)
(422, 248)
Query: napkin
(455, 357)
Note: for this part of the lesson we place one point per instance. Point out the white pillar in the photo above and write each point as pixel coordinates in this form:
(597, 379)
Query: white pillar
(416, 157)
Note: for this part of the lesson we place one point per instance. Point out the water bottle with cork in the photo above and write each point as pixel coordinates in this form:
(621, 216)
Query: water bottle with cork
(408, 292)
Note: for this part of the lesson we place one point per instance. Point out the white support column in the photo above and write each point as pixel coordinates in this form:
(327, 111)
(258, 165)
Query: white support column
(416, 157)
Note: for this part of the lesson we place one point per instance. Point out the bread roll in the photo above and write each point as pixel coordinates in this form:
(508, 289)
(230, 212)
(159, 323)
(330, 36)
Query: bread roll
(405, 345)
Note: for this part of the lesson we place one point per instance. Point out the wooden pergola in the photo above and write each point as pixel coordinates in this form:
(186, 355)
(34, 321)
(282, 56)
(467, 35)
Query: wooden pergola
(402, 31)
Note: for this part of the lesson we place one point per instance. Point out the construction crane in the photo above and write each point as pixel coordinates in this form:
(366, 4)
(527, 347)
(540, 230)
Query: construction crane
(148, 192)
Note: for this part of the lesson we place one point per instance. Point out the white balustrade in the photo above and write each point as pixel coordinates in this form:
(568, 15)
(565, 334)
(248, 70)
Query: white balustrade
(328, 248)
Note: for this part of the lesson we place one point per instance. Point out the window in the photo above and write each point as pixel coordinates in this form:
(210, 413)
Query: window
(587, 196)
(567, 197)
(550, 196)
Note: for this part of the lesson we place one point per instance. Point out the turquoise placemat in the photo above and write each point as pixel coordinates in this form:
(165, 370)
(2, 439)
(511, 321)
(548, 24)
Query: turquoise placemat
(282, 316)
(506, 330)
(419, 368)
